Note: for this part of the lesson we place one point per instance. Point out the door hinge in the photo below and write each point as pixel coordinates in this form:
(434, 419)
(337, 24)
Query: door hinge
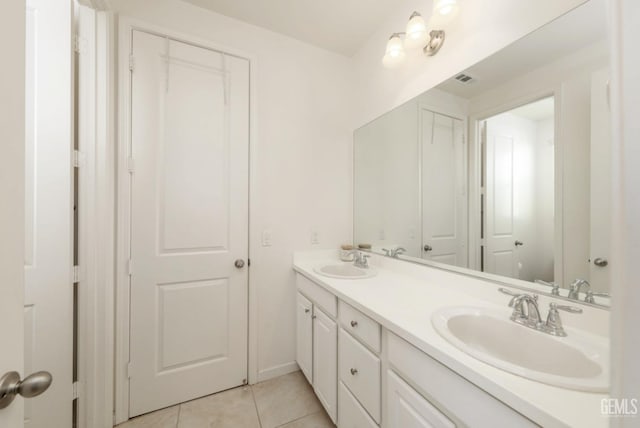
(76, 274)
(131, 166)
(78, 159)
(129, 369)
(129, 267)
(76, 390)
(79, 44)
(132, 62)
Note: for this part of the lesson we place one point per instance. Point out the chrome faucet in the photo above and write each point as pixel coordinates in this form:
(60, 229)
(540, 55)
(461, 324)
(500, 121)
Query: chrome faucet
(576, 288)
(394, 252)
(360, 259)
(532, 318)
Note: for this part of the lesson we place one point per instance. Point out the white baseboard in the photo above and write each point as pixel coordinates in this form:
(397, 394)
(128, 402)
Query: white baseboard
(276, 371)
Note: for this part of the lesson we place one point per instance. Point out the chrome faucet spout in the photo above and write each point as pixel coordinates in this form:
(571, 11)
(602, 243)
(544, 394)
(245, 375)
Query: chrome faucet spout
(576, 287)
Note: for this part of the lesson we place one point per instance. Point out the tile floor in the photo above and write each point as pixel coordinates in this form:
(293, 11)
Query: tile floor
(284, 402)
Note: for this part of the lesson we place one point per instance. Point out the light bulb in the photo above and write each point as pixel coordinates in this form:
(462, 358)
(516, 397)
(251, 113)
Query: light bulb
(394, 54)
(444, 11)
(416, 33)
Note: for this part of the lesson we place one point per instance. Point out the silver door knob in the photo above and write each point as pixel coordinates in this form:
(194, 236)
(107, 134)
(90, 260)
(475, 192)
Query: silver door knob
(31, 386)
(427, 248)
(600, 262)
(239, 263)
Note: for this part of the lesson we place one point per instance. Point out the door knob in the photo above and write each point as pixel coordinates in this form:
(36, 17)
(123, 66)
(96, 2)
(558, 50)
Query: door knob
(31, 386)
(239, 263)
(427, 248)
(600, 262)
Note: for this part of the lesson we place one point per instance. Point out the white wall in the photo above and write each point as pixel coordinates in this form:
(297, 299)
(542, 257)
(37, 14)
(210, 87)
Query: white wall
(308, 101)
(480, 29)
(301, 157)
(625, 110)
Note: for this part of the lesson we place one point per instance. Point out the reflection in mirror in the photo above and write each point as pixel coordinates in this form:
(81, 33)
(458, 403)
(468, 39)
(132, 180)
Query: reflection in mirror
(503, 169)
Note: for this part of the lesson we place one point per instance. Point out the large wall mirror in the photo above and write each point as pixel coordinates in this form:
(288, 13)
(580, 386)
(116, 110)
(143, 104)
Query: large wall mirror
(503, 170)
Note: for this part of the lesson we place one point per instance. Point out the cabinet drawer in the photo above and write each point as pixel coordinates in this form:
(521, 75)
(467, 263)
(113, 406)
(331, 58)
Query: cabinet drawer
(408, 409)
(359, 370)
(359, 325)
(352, 415)
(318, 295)
(449, 391)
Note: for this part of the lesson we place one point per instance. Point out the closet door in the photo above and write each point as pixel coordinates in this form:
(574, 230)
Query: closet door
(189, 222)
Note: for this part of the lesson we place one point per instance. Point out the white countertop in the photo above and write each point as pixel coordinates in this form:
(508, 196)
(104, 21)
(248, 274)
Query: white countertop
(403, 296)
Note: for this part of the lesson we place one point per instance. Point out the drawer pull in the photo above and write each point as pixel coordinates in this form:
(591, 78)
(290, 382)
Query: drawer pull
(306, 311)
(354, 324)
(313, 317)
(354, 372)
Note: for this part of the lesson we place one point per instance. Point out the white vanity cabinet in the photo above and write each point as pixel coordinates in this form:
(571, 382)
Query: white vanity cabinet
(317, 341)
(304, 336)
(325, 332)
(408, 409)
(366, 376)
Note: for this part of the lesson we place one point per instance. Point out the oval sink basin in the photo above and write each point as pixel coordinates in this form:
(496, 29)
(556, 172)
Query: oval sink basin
(345, 271)
(578, 361)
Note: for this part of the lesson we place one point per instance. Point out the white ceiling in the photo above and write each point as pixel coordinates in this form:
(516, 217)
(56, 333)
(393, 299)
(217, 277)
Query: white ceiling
(579, 28)
(341, 26)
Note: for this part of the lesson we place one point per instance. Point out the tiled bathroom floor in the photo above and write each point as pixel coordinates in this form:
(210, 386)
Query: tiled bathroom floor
(286, 401)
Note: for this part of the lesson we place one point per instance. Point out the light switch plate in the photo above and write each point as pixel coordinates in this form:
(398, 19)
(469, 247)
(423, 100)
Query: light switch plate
(266, 238)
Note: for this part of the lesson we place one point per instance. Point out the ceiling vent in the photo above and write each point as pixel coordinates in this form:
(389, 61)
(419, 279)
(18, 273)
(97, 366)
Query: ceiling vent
(465, 79)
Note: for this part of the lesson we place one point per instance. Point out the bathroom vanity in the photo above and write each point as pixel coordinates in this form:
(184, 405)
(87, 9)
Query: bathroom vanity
(369, 348)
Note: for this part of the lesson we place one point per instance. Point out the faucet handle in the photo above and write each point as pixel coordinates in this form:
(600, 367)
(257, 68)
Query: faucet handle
(571, 309)
(555, 288)
(554, 323)
(509, 292)
(590, 294)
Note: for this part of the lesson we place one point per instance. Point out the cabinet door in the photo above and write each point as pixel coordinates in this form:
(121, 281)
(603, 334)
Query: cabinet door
(408, 409)
(304, 336)
(325, 355)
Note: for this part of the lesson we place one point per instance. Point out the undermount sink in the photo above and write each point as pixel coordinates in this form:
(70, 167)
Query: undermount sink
(345, 271)
(579, 361)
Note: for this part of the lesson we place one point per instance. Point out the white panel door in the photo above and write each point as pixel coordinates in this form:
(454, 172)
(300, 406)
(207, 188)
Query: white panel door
(408, 409)
(443, 189)
(12, 37)
(325, 361)
(304, 336)
(48, 252)
(600, 181)
(499, 225)
(189, 222)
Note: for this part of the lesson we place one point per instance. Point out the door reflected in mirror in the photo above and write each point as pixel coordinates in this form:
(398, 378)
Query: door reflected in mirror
(503, 169)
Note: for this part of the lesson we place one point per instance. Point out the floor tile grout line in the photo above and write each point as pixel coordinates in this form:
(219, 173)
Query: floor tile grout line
(297, 419)
(255, 405)
(178, 418)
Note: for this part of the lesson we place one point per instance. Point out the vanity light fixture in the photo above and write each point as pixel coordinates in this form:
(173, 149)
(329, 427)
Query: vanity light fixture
(417, 36)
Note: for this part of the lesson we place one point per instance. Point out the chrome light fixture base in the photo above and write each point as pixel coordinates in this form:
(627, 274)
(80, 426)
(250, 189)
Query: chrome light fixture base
(435, 43)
